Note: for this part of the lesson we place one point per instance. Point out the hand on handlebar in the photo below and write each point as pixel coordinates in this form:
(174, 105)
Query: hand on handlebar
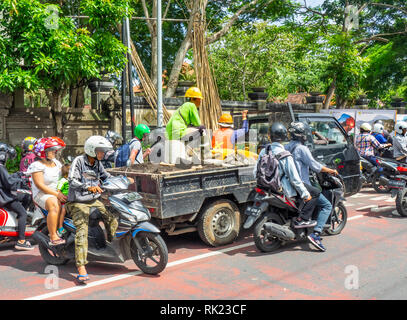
(95, 189)
(307, 199)
(333, 172)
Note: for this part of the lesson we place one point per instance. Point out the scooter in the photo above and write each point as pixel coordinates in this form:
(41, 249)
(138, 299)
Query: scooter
(274, 215)
(8, 218)
(136, 238)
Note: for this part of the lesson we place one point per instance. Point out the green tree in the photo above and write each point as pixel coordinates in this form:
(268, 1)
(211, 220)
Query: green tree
(40, 48)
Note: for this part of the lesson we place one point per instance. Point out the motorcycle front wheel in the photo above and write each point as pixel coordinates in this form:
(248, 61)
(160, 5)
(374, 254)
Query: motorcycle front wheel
(152, 256)
(262, 239)
(401, 202)
(338, 219)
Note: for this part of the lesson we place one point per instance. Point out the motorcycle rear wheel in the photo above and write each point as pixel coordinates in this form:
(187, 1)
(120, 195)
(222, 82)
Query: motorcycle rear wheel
(263, 241)
(49, 256)
(154, 250)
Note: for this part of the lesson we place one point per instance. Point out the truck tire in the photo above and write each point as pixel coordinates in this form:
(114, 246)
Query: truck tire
(219, 223)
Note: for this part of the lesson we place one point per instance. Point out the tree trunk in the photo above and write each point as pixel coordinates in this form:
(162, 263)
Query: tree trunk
(55, 99)
(330, 94)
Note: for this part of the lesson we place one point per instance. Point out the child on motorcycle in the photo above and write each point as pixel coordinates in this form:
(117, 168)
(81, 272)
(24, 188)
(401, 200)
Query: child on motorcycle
(8, 200)
(63, 186)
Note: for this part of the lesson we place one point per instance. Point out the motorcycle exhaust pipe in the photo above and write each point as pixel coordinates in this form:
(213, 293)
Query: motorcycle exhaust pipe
(281, 232)
(384, 180)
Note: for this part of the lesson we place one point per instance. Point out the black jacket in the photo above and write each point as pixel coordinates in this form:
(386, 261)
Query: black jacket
(7, 184)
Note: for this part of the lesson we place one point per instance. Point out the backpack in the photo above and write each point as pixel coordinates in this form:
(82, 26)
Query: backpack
(267, 174)
(123, 154)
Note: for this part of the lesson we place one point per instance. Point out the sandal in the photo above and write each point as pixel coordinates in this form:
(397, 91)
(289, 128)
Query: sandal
(23, 246)
(80, 280)
(56, 242)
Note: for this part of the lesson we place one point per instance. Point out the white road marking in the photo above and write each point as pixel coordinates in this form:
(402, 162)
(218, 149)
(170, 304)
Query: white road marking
(382, 209)
(356, 217)
(367, 207)
(135, 273)
(380, 198)
(359, 195)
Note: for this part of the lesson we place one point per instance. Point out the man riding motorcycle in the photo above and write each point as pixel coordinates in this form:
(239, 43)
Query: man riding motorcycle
(304, 161)
(290, 179)
(84, 193)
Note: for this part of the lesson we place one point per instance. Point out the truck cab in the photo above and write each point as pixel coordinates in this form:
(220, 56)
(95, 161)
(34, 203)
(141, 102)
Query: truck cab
(328, 141)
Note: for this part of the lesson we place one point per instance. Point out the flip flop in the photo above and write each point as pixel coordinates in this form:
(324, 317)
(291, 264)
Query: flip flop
(56, 242)
(80, 280)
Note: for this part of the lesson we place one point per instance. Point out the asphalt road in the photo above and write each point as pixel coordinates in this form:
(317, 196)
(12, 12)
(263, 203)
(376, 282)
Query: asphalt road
(366, 261)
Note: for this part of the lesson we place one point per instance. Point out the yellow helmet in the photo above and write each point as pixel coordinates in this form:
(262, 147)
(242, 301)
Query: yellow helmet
(193, 92)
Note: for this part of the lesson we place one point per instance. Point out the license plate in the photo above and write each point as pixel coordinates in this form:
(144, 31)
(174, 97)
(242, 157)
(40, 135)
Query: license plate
(252, 211)
(399, 184)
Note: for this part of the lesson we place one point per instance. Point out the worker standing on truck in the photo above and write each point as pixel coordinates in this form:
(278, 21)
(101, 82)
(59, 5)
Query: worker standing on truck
(183, 125)
(185, 116)
(225, 137)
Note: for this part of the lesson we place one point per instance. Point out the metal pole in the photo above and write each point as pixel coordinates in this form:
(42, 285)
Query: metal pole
(132, 121)
(159, 67)
(124, 102)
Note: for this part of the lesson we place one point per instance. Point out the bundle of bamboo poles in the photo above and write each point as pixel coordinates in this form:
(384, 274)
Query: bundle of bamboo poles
(150, 91)
(210, 109)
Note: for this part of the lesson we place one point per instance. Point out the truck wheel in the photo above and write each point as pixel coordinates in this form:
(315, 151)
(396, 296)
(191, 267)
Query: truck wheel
(219, 223)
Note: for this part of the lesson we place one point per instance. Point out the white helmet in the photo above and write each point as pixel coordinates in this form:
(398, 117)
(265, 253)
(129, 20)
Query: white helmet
(366, 127)
(378, 128)
(96, 143)
(400, 126)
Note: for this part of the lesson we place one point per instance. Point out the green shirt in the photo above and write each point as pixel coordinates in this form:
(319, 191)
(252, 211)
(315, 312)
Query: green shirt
(176, 126)
(63, 186)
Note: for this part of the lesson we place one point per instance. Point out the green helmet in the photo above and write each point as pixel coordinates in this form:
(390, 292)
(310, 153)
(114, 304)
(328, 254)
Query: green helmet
(140, 130)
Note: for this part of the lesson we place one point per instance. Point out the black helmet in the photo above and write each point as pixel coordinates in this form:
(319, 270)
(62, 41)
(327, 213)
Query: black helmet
(113, 137)
(6, 152)
(298, 131)
(278, 132)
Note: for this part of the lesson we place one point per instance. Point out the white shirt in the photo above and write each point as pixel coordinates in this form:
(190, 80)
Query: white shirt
(51, 175)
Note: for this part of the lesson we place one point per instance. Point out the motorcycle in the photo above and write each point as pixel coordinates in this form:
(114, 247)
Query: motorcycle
(136, 238)
(8, 218)
(371, 175)
(274, 215)
(396, 182)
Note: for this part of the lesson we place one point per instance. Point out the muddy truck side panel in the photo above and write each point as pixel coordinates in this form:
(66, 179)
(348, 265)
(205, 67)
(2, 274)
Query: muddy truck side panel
(184, 200)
